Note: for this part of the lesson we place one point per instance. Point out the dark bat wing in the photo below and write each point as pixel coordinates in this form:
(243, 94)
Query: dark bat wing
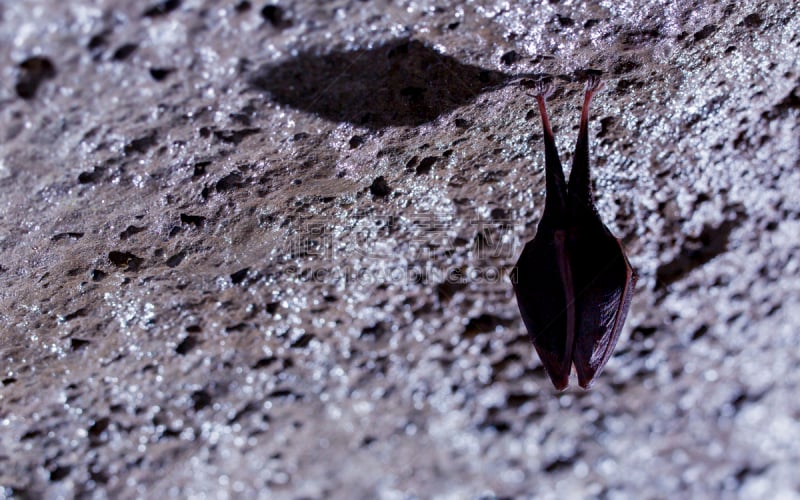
(604, 282)
(543, 304)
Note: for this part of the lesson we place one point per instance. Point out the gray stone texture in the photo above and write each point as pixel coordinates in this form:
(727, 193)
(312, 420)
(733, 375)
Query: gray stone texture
(265, 251)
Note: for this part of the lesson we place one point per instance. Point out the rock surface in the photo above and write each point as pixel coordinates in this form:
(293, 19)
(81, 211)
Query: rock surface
(264, 250)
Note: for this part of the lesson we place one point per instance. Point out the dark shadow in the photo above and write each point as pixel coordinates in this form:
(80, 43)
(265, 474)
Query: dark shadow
(696, 252)
(403, 82)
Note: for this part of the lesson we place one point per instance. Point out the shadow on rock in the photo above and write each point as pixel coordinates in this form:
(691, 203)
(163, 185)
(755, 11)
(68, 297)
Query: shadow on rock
(400, 83)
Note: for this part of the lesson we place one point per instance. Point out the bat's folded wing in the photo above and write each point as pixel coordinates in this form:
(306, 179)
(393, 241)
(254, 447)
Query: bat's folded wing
(604, 282)
(542, 301)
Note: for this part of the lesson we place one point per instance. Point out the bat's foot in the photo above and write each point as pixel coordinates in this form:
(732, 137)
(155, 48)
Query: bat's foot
(544, 89)
(594, 84)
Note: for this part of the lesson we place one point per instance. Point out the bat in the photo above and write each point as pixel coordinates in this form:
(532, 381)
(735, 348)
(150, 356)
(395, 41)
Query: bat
(573, 281)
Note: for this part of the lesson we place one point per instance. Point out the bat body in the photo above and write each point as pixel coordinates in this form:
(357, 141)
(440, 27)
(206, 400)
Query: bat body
(573, 281)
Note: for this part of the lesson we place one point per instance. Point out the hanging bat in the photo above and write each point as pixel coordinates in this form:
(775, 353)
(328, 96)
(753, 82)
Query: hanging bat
(573, 281)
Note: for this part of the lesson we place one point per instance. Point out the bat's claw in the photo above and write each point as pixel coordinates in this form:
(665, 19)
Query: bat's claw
(542, 86)
(544, 89)
(594, 83)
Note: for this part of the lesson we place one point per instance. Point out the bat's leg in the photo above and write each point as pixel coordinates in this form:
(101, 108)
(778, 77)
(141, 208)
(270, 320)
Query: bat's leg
(555, 202)
(554, 219)
(580, 186)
